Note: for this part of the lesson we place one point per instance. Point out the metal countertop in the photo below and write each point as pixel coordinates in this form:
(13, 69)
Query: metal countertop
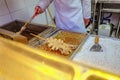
(109, 1)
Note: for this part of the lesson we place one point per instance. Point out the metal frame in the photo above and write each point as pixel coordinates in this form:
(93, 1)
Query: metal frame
(106, 10)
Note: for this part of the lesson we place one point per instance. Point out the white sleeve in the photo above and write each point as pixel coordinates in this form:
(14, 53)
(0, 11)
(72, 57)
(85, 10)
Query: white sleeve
(44, 3)
(86, 4)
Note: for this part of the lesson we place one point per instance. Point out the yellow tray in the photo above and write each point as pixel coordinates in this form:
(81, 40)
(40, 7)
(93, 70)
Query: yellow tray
(20, 62)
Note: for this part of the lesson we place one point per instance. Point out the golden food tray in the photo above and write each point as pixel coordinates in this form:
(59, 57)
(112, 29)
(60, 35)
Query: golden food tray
(20, 62)
(69, 38)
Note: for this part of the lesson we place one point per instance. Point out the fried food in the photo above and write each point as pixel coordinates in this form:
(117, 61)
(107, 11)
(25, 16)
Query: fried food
(60, 45)
(66, 44)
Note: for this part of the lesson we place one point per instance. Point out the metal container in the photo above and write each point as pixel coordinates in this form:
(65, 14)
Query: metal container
(68, 37)
(16, 25)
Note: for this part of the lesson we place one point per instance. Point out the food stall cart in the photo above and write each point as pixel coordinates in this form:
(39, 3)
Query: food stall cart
(36, 61)
(92, 65)
(26, 63)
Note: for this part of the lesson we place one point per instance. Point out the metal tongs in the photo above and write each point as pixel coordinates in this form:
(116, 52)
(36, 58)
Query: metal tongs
(96, 47)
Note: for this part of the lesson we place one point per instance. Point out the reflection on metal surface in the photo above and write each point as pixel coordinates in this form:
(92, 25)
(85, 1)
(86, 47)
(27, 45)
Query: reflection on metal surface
(25, 63)
(95, 78)
(94, 74)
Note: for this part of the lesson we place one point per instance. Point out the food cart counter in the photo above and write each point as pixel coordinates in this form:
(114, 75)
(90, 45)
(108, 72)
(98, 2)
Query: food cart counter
(109, 1)
(31, 62)
(26, 63)
(108, 60)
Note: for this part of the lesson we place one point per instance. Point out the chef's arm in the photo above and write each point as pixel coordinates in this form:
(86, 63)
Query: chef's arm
(42, 5)
(86, 4)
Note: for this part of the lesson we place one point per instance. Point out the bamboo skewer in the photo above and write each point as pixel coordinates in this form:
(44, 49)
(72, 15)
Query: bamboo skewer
(50, 14)
(39, 37)
(54, 25)
(57, 44)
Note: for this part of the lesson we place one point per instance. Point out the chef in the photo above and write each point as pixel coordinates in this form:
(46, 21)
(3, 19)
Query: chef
(72, 15)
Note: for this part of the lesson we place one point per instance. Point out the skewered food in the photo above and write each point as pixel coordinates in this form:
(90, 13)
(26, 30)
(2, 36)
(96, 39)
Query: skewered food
(57, 45)
(60, 45)
(70, 40)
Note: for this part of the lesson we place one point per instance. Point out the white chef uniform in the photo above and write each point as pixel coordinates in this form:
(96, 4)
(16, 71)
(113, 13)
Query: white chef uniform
(69, 14)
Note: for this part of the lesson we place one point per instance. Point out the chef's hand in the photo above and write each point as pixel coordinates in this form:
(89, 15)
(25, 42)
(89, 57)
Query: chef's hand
(38, 10)
(86, 21)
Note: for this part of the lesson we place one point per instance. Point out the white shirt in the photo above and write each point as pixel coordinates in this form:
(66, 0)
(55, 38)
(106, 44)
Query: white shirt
(69, 14)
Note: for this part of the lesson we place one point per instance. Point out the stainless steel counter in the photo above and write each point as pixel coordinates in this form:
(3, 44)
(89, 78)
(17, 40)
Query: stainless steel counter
(108, 60)
(109, 1)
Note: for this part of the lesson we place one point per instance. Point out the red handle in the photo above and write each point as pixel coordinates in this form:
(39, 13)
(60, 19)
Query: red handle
(35, 14)
(38, 10)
